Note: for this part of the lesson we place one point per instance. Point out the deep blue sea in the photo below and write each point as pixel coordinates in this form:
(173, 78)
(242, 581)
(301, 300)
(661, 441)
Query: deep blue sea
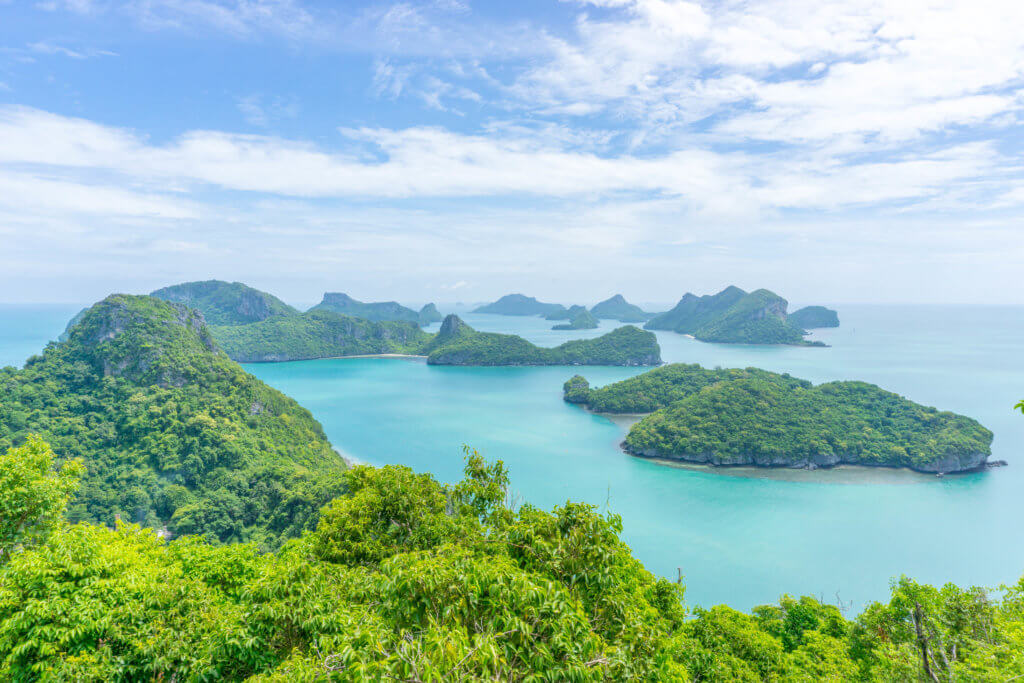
(740, 537)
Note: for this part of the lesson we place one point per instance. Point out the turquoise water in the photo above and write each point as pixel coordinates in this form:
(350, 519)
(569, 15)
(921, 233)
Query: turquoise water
(742, 540)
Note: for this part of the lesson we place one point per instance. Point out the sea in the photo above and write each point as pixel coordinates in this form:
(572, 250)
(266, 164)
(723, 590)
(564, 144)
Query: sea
(743, 537)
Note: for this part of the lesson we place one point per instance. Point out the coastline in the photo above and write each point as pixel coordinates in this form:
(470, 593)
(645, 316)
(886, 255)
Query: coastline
(371, 355)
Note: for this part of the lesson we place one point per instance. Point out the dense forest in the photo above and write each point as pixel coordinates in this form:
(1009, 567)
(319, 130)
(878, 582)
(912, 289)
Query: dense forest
(459, 344)
(733, 316)
(408, 579)
(756, 417)
(173, 433)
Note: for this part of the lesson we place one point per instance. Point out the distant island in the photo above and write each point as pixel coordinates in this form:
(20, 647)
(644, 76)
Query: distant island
(617, 308)
(581, 320)
(733, 316)
(225, 303)
(813, 317)
(563, 313)
(459, 344)
(337, 302)
(173, 434)
(518, 304)
(760, 418)
(429, 314)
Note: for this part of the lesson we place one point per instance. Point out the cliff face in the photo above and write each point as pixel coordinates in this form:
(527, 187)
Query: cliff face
(225, 303)
(429, 314)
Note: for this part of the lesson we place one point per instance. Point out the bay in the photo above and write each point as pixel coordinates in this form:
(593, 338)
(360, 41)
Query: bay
(740, 537)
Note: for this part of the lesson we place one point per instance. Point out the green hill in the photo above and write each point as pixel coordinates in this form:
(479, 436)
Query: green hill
(459, 344)
(429, 314)
(813, 317)
(518, 304)
(171, 431)
(617, 308)
(225, 303)
(733, 317)
(581, 320)
(756, 417)
(317, 334)
(337, 302)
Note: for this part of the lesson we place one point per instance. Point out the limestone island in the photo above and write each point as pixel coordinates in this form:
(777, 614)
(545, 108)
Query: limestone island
(518, 304)
(617, 308)
(753, 417)
(581, 320)
(563, 313)
(429, 314)
(814, 317)
(173, 434)
(459, 344)
(337, 302)
(733, 316)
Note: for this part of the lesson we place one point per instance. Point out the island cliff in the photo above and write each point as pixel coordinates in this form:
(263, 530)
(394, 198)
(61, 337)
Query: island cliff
(759, 418)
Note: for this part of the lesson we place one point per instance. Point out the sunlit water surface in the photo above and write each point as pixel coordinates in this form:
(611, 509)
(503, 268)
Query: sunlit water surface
(742, 537)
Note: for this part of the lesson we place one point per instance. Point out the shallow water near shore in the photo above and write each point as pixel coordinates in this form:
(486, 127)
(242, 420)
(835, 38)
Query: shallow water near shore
(740, 537)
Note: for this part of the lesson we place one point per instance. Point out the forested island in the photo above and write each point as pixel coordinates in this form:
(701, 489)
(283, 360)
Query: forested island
(518, 304)
(173, 433)
(429, 314)
(733, 316)
(225, 303)
(617, 308)
(581, 320)
(318, 334)
(459, 344)
(562, 313)
(760, 418)
(814, 317)
(337, 302)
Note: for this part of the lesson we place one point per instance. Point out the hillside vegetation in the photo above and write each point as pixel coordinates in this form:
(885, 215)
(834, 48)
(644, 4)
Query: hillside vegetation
(172, 433)
(411, 580)
(755, 417)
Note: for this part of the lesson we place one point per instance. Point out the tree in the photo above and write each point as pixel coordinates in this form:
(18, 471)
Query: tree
(33, 495)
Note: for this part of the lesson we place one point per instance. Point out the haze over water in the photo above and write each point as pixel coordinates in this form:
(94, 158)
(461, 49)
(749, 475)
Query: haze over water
(741, 540)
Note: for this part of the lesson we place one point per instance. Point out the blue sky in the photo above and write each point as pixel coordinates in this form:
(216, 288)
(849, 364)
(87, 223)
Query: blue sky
(855, 151)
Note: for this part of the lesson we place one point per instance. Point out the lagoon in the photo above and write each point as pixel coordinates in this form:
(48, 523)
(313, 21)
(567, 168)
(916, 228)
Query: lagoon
(740, 537)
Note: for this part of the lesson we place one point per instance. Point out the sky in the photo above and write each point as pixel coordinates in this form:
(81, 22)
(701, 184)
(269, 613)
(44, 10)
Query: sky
(457, 150)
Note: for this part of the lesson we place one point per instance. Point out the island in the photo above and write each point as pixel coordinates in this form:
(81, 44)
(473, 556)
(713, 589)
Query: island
(318, 334)
(225, 303)
(459, 344)
(617, 308)
(813, 317)
(733, 316)
(518, 304)
(563, 313)
(581, 320)
(429, 314)
(337, 302)
(173, 434)
(758, 418)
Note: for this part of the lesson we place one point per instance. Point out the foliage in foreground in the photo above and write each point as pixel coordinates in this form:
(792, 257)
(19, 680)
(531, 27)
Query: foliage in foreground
(407, 579)
(754, 416)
